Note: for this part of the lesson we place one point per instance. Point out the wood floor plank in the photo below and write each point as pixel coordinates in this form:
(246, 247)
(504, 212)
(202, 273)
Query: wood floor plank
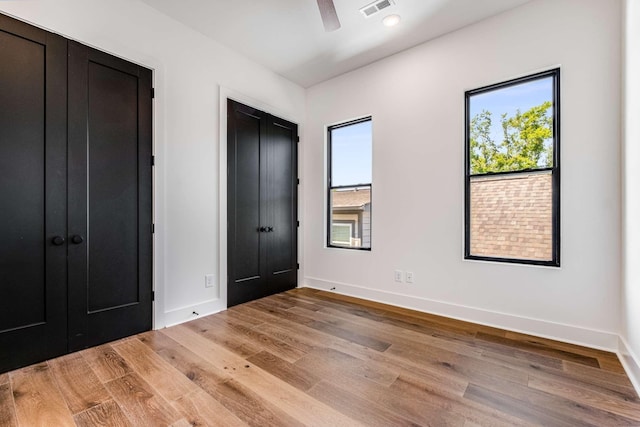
(506, 355)
(7, 407)
(611, 364)
(406, 365)
(587, 374)
(458, 365)
(243, 402)
(297, 302)
(78, 384)
(309, 337)
(163, 377)
(37, 398)
(294, 375)
(327, 362)
(200, 409)
(277, 392)
(572, 348)
(247, 311)
(593, 377)
(275, 302)
(284, 336)
(587, 396)
(510, 405)
(365, 340)
(392, 333)
(356, 407)
(140, 403)
(260, 340)
(221, 359)
(106, 362)
(225, 336)
(540, 348)
(415, 405)
(156, 340)
(459, 332)
(389, 313)
(419, 411)
(267, 308)
(107, 414)
(239, 317)
(422, 389)
(557, 407)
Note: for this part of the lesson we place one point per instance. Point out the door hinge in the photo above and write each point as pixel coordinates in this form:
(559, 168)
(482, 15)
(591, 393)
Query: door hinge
(153, 160)
(298, 181)
(153, 295)
(153, 93)
(297, 138)
(298, 223)
(153, 228)
(298, 266)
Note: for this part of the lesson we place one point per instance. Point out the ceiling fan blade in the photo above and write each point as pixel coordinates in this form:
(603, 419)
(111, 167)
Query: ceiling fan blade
(329, 15)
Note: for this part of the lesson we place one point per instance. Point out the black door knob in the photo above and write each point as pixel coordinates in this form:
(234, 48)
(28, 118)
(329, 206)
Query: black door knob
(77, 239)
(58, 240)
(262, 229)
(269, 229)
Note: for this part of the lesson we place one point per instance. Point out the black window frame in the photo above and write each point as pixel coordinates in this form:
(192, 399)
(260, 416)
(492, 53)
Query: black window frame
(555, 170)
(359, 185)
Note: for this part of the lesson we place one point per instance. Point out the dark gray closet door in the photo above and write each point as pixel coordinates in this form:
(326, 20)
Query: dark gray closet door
(261, 204)
(33, 305)
(110, 248)
(246, 140)
(282, 211)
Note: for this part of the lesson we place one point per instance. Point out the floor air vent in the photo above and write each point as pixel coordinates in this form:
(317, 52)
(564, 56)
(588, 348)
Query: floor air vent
(375, 7)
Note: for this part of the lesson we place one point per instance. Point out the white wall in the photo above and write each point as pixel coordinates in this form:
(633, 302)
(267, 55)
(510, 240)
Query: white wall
(416, 99)
(189, 70)
(630, 343)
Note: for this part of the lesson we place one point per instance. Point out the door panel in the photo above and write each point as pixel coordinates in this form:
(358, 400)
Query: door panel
(282, 195)
(246, 213)
(22, 163)
(112, 236)
(109, 197)
(261, 205)
(247, 203)
(32, 190)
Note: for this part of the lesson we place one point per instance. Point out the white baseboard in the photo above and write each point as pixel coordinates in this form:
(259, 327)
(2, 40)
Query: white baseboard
(601, 340)
(630, 362)
(184, 314)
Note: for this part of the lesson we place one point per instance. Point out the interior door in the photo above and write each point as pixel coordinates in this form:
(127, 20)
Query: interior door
(261, 204)
(282, 213)
(246, 211)
(33, 305)
(110, 241)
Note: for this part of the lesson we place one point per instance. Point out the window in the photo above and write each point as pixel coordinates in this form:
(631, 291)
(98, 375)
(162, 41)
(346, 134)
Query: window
(349, 186)
(512, 187)
(341, 234)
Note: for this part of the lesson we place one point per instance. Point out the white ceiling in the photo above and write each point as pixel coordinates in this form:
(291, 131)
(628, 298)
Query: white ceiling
(287, 36)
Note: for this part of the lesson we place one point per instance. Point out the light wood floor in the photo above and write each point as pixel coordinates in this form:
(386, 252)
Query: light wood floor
(312, 358)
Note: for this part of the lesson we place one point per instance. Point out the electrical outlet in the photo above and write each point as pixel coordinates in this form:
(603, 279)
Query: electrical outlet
(208, 281)
(409, 276)
(397, 275)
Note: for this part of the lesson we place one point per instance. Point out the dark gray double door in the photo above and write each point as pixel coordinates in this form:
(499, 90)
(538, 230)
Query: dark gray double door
(75, 195)
(262, 200)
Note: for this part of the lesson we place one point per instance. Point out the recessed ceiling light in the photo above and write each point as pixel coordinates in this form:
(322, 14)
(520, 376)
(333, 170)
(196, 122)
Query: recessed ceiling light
(391, 20)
